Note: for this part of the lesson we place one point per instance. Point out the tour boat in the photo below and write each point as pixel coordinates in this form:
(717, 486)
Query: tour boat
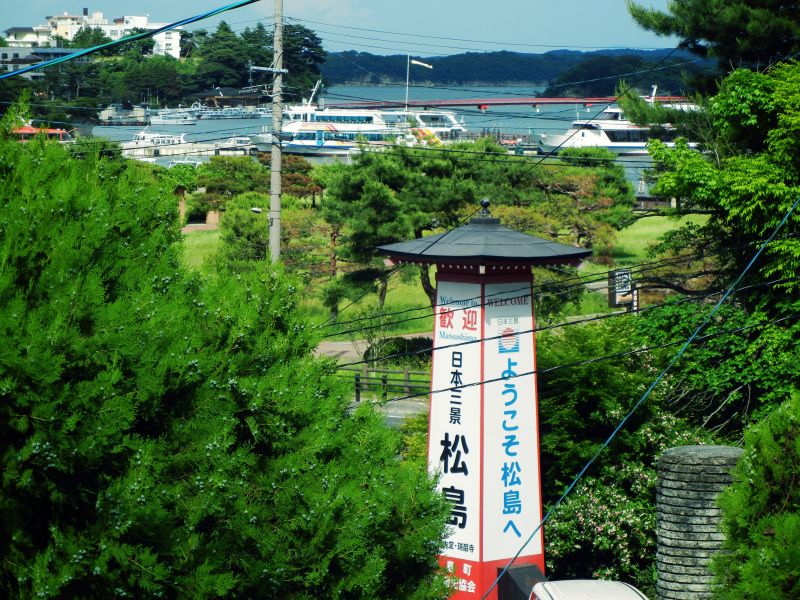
(335, 131)
(184, 161)
(229, 112)
(609, 130)
(327, 139)
(173, 117)
(149, 144)
(151, 139)
(612, 131)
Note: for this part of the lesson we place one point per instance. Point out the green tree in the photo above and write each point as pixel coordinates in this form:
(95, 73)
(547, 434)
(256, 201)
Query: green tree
(745, 185)
(404, 192)
(227, 176)
(738, 33)
(303, 58)
(391, 196)
(259, 49)
(760, 557)
(244, 229)
(191, 41)
(168, 435)
(222, 59)
(152, 78)
(89, 37)
(142, 47)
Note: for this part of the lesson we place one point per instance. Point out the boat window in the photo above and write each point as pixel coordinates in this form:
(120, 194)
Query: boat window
(628, 135)
(328, 118)
(434, 120)
(608, 116)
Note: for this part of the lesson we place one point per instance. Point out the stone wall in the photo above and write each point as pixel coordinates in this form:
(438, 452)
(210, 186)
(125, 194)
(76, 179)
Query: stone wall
(689, 480)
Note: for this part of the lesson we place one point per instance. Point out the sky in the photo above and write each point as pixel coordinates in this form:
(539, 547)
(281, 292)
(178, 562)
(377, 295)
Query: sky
(419, 27)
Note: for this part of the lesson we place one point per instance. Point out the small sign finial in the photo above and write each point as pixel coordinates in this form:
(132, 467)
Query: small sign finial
(485, 206)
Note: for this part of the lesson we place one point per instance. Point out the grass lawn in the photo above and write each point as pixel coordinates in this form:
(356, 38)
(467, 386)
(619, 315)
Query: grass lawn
(633, 241)
(407, 308)
(199, 247)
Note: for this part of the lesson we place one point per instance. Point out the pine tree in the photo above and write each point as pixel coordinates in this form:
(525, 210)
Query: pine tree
(166, 435)
(761, 513)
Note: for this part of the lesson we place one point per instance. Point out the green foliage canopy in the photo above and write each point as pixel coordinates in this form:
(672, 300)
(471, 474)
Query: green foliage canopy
(748, 179)
(164, 435)
(739, 33)
(606, 527)
(760, 557)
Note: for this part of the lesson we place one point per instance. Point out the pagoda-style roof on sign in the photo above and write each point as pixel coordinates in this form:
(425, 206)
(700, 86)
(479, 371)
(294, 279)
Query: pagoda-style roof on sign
(484, 241)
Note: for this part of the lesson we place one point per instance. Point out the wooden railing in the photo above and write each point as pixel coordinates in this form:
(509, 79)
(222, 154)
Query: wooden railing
(387, 381)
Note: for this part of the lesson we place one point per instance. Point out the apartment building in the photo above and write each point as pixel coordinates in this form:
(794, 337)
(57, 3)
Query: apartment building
(67, 25)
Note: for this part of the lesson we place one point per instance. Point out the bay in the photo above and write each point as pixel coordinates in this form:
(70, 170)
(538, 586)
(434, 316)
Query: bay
(516, 120)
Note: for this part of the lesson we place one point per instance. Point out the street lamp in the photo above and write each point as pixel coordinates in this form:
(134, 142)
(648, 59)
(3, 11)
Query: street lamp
(410, 62)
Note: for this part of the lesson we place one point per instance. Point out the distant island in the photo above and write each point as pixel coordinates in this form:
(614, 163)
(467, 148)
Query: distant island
(562, 72)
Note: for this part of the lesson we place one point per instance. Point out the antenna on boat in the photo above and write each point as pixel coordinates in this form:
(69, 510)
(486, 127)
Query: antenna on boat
(314, 91)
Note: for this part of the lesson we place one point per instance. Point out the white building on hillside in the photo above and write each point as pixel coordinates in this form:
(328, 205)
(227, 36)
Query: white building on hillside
(27, 37)
(67, 25)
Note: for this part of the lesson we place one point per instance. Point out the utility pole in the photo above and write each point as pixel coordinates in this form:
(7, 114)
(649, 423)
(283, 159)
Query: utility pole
(277, 125)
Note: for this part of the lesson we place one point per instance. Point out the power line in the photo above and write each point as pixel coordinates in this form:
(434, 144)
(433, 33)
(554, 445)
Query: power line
(561, 325)
(589, 361)
(560, 287)
(498, 43)
(401, 267)
(132, 38)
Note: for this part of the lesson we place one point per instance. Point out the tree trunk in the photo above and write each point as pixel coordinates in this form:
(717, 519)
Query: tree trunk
(425, 279)
(334, 235)
(383, 287)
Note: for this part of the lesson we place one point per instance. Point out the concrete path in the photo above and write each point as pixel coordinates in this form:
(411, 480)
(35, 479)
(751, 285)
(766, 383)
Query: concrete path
(396, 411)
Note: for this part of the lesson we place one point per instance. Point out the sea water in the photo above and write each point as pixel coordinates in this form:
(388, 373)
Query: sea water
(519, 120)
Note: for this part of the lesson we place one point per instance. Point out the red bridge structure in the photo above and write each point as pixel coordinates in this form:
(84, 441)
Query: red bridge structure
(486, 103)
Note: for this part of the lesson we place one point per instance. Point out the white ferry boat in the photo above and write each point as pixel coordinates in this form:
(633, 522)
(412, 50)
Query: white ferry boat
(173, 117)
(184, 161)
(610, 130)
(148, 143)
(229, 112)
(315, 130)
(329, 131)
(326, 139)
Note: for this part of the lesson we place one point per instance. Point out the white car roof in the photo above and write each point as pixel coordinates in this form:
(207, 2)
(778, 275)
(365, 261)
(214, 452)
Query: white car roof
(584, 589)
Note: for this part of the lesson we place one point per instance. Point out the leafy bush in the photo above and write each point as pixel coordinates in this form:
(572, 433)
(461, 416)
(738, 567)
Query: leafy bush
(760, 557)
(412, 352)
(165, 435)
(606, 526)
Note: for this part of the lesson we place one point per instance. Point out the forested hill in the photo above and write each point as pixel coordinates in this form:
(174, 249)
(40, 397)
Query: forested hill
(497, 68)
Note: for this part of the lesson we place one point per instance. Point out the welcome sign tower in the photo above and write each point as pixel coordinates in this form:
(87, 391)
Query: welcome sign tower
(483, 440)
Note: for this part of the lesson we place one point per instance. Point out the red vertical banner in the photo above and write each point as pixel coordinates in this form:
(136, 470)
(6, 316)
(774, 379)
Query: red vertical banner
(454, 442)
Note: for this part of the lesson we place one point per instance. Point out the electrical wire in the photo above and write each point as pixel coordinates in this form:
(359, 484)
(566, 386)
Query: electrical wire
(589, 361)
(561, 325)
(125, 40)
(544, 288)
(401, 267)
(503, 43)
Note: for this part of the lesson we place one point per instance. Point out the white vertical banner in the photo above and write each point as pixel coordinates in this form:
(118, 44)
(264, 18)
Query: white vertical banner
(454, 442)
(511, 479)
